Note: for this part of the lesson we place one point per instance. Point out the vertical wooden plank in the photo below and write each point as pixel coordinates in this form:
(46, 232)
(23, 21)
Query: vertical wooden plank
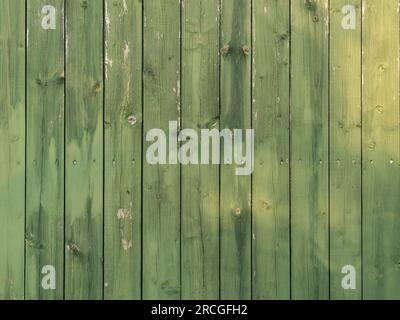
(271, 237)
(123, 153)
(84, 150)
(345, 144)
(235, 190)
(200, 183)
(381, 174)
(45, 148)
(309, 161)
(12, 146)
(161, 182)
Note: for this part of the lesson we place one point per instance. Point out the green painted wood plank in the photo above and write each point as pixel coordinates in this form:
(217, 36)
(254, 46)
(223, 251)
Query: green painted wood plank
(309, 156)
(12, 146)
(235, 190)
(123, 149)
(200, 183)
(45, 150)
(84, 150)
(161, 183)
(381, 171)
(271, 237)
(345, 144)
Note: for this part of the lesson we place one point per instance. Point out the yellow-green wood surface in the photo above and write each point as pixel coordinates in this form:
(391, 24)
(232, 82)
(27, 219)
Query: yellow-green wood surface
(84, 150)
(123, 149)
(270, 189)
(45, 151)
(12, 146)
(381, 150)
(200, 184)
(235, 191)
(309, 150)
(161, 183)
(345, 149)
(317, 80)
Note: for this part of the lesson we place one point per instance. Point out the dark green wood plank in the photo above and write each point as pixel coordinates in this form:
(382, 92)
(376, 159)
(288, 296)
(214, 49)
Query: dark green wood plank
(161, 183)
(12, 146)
(381, 171)
(84, 150)
(123, 124)
(345, 155)
(309, 157)
(45, 150)
(235, 190)
(200, 183)
(271, 237)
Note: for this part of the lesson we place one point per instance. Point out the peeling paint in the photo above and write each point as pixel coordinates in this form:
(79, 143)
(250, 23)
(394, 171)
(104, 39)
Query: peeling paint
(108, 21)
(123, 213)
(126, 244)
(125, 7)
(126, 51)
(66, 46)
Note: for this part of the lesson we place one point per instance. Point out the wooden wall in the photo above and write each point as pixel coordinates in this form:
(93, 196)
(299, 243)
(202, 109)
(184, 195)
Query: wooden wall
(80, 90)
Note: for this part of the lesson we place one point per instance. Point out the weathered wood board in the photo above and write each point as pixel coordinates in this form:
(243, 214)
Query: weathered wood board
(345, 149)
(380, 147)
(200, 184)
(270, 188)
(123, 149)
(45, 150)
(161, 183)
(309, 150)
(12, 146)
(84, 150)
(235, 191)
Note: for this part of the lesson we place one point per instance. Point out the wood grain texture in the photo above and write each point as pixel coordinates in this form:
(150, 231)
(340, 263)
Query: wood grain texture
(345, 149)
(161, 183)
(123, 149)
(79, 192)
(12, 146)
(84, 150)
(45, 151)
(200, 184)
(309, 156)
(381, 174)
(270, 191)
(235, 199)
